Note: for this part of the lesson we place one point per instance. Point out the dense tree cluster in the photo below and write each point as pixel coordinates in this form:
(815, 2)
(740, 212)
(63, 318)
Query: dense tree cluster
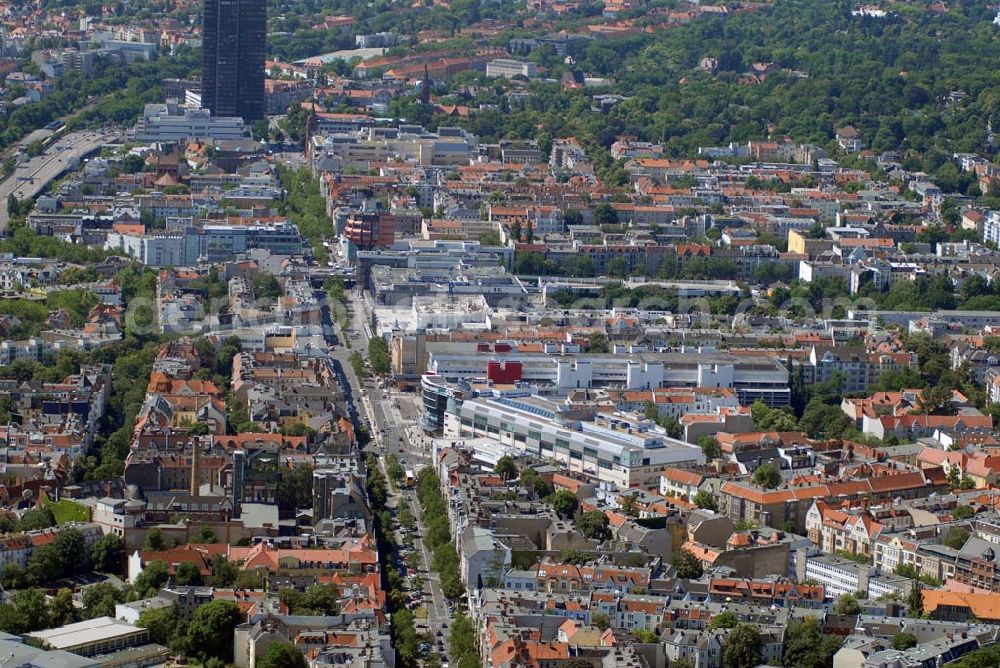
(305, 206)
(534, 482)
(985, 657)
(134, 85)
(686, 565)
(438, 535)
(295, 488)
(806, 646)
(743, 647)
(406, 640)
(835, 69)
(32, 315)
(463, 640)
(594, 524)
(282, 655)
(266, 286)
(66, 555)
(23, 242)
(378, 355)
(319, 599)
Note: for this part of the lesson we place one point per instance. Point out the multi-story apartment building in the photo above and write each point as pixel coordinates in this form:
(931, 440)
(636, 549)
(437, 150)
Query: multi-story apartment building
(776, 507)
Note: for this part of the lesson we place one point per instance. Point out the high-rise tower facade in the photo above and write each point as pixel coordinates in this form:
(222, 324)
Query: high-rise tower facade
(232, 66)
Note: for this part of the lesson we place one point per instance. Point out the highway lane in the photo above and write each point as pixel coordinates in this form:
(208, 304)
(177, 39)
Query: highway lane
(34, 175)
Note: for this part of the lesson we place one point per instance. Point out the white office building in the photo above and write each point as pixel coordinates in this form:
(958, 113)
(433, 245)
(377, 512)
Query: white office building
(991, 226)
(155, 250)
(505, 68)
(171, 123)
(838, 575)
(621, 450)
(752, 378)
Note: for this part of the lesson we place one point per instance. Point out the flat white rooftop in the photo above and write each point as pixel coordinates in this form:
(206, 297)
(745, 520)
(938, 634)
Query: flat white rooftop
(84, 633)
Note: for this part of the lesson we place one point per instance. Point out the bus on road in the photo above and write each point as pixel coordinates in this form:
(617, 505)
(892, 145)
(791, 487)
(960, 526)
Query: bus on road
(408, 479)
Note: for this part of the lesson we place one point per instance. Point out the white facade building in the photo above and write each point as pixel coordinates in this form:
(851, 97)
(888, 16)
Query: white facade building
(505, 68)
(991, 226)
(751, 378)
(620, 450)
(838, 575)
(170, 123)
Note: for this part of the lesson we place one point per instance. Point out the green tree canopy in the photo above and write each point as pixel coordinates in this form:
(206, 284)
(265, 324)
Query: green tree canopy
(151, 579)
(767, 475)
(99, 600)
(605, 214)
(962, 513)
(806, 646)
(742, 647)
(282, 655)
(506, 468)
(847, 604)
(598, 343)
(686, 565)
(378, 353)
(915, 600)
(772, 419)
(726, 619)
(710, 446)
(956, 537)
(62, 611)
(564, 502)
(210, 633)
(594, 524)
(187, 573)
(38, 518)
(30, 606)
(161, 622)
(705, 500)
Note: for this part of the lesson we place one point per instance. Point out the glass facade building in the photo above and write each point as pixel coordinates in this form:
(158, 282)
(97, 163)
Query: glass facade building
(234, 33)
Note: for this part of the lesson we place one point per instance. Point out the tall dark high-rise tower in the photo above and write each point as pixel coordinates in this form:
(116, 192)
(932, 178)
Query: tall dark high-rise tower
(232, 64)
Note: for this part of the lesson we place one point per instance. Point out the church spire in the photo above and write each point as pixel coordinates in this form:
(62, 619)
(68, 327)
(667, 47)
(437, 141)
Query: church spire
(425, 87)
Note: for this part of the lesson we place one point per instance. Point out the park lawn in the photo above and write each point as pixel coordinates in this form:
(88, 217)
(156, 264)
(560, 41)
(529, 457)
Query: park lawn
(68, 511)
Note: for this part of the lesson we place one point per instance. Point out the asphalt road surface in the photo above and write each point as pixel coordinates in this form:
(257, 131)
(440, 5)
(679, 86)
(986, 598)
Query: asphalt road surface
(394, 424)
(32, 176)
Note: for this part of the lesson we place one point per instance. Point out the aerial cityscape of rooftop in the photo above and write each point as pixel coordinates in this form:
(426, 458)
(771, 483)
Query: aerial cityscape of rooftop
(499, 334)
